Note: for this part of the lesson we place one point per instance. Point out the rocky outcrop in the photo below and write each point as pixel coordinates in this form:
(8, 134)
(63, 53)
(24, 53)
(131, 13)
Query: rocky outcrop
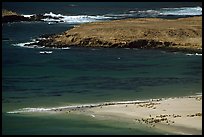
(10, 16)
(7, 13)
(184, 34)
(14, 18)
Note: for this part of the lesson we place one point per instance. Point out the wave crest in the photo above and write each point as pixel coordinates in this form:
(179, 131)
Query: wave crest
(73, 19)
(183, 11)
(77, 19)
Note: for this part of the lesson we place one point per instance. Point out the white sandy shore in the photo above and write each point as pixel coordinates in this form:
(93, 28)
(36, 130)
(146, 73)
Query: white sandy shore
(176, 115)
(181, 115)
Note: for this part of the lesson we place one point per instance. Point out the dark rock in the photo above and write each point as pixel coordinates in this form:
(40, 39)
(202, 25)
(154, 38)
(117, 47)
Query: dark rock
(38, 17)
(17, 18)
(46, 35)
(14, 18)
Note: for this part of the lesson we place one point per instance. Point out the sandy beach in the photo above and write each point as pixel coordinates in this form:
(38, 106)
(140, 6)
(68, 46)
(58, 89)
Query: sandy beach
(181, 115)
(178, 115)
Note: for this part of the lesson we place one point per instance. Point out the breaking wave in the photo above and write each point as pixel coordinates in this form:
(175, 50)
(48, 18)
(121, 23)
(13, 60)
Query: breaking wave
(196, 54)
(163, 12)
(25, 45)
(34, 44)
(74, 19)
(182, 11)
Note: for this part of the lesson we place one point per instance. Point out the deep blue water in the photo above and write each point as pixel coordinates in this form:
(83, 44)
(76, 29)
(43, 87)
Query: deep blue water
(86, 75)
(91, 8)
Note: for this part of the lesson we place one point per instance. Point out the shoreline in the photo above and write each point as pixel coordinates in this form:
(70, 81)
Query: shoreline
(176, 115)
(172, 35)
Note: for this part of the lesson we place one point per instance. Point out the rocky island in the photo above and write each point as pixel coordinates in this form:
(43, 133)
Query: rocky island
(183, 34)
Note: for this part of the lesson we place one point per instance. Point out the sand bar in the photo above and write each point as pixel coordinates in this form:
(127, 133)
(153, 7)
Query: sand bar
(179, 115)
(176, 115)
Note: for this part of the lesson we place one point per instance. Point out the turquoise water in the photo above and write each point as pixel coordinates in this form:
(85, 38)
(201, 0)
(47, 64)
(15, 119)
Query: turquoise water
(84, 75)
(71, 125)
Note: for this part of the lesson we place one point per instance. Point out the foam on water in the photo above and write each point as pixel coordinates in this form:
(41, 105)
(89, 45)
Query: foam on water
(28, 16)
(66, 48)
(45, 52)
(73, 19)
(77, 19)
(26, 43)
(29, 109)
(196, 54)
(182, 11)
(53, 15)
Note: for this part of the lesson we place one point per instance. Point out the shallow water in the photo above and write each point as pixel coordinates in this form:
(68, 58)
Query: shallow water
(81, 75)
(84, 75)
(71, 124)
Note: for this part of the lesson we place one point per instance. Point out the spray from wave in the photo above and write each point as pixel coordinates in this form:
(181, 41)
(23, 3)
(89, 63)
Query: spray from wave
(52, 17)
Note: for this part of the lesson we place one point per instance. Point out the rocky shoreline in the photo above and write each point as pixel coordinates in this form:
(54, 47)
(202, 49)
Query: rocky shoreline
(184, 34)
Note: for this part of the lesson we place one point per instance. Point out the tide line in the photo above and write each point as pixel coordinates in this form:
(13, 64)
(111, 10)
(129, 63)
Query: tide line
(83, 106)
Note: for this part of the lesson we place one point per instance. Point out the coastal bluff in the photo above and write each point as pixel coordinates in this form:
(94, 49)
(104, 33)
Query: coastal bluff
(182, 34)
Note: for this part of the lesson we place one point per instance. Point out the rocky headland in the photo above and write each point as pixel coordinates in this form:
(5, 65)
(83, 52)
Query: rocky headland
(10, 16)
(183, 34)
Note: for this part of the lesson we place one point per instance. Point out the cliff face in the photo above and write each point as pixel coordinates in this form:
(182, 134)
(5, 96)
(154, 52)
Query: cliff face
(183, 34)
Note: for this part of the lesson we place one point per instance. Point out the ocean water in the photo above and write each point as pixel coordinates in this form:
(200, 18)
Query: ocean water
(88, 75)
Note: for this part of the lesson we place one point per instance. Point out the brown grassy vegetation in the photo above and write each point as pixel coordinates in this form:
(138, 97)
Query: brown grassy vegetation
(183, 34)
